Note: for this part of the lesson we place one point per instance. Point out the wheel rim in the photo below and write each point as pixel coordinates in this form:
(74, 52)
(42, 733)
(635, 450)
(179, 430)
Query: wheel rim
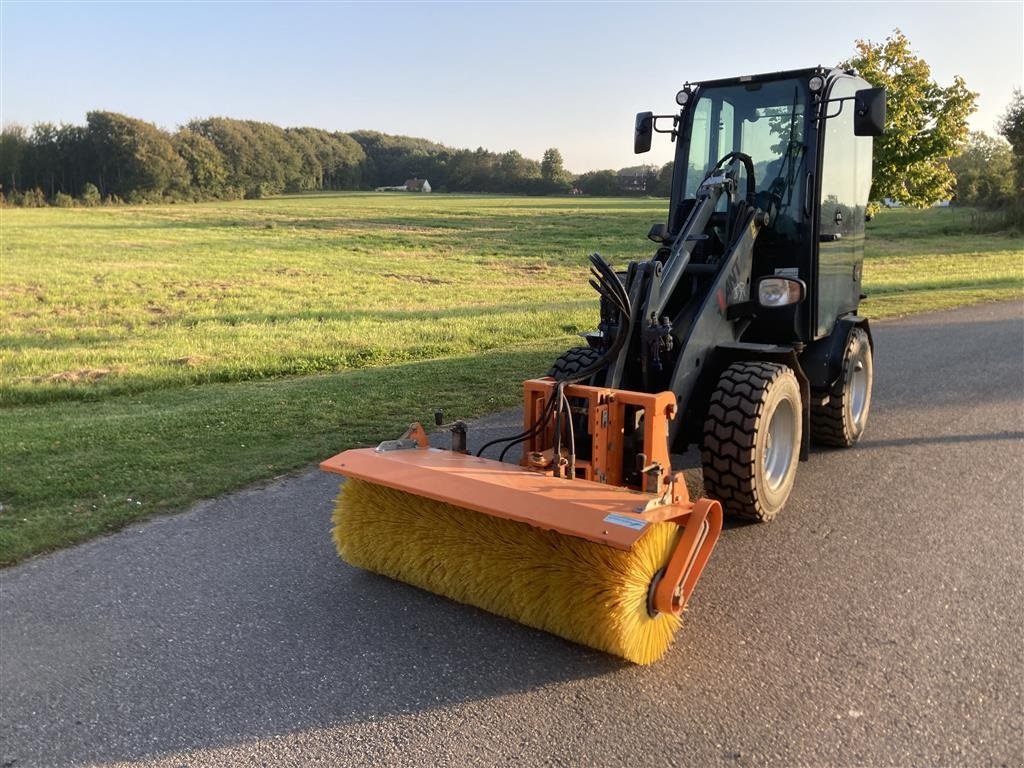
(778, 450)
(858, 389)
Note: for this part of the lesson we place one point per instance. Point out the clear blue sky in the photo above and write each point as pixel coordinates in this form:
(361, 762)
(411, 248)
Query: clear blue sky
(500, 75)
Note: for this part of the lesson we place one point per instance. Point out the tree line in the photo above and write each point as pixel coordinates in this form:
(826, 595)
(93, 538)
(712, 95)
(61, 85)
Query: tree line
(926, 154)
(114, 158)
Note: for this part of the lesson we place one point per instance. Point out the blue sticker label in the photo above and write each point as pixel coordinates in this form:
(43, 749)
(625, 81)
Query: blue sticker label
(628, 522)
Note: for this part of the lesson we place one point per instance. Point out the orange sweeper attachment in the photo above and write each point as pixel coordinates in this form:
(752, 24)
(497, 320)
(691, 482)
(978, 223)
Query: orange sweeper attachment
(564, 546)
(601, 546)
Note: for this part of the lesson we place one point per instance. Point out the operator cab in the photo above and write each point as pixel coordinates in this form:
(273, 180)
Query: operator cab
(811, 175)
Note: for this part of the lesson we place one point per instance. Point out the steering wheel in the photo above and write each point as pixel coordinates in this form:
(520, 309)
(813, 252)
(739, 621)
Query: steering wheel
(748, 165)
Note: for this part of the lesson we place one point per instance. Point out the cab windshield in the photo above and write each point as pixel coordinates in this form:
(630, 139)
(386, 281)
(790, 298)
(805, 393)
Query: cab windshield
(763, 120)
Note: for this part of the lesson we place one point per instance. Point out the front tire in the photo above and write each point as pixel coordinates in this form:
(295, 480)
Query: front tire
(841, 422)
(752, 439)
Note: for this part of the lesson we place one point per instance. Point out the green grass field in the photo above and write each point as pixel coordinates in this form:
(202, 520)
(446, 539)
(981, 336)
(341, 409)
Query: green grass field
(153, 356)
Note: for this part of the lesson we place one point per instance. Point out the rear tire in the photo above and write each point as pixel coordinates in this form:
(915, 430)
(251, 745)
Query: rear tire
(752, 439)
(841, 422)
(571, 362)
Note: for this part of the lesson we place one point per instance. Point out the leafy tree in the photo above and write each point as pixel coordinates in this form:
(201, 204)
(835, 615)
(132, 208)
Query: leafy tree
(238, 147)
(1011, 127)
(44, 159)
(311, 172)
(393, 159)
(14, 148)
(926, 123)
(552, 169)
(207, 170)
(663, 183)
(339, 156)
(516, 173)
(75, 157)
(261, 158)
(644, 169)
(984, 171)
(134, 157)
(278, 164)
(602, 183)
(90, 194)
(115, 157)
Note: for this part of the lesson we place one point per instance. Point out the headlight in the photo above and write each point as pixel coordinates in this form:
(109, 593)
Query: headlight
(780, 291)
(682, 97)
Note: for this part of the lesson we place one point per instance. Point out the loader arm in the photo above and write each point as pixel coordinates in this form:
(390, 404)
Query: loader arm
(709, 318)
(719, 318)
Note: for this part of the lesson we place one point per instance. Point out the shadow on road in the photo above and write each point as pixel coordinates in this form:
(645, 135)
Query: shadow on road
(238, 622)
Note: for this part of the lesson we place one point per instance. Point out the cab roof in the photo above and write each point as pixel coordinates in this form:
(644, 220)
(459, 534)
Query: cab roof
(786, 74)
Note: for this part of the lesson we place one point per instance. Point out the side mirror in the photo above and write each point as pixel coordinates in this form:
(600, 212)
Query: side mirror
(642, 132)
(869, 112)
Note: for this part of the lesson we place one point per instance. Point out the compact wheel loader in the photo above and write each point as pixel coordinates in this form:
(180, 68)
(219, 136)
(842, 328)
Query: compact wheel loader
(740, 335)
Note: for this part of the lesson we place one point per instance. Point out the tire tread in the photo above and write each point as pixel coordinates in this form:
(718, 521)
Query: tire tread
(571, 361)
(734, 416)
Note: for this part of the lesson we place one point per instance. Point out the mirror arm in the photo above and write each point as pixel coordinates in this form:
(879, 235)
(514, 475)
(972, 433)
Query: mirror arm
(824, 108)
(675, 124)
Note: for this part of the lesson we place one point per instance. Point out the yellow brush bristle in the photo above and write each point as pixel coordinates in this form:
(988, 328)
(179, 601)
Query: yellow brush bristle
(577, 589)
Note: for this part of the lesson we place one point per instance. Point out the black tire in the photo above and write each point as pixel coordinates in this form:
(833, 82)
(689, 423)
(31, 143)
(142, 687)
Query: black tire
(841, 421)
(752, 439)
(572, 361)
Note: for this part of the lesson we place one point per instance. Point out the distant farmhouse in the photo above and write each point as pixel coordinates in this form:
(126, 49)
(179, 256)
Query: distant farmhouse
(411, 185)
(636, 178)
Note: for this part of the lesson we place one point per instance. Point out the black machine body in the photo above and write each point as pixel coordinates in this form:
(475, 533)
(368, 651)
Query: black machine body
(757, 270)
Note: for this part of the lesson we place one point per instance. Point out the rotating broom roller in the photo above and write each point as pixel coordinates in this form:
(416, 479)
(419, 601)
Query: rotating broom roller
(592, 562)
(585, 592)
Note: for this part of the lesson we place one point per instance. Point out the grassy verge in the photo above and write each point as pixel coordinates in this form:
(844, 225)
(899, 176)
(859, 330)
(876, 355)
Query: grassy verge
(155, 356)
(74, 469)
(919, 261)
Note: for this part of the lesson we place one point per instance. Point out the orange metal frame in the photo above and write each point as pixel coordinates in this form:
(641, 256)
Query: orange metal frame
(609, 412)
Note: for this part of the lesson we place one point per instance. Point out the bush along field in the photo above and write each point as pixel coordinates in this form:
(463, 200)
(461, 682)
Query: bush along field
(153, 356)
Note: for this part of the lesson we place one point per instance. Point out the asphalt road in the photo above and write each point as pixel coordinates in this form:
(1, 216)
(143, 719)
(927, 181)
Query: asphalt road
(878, 621)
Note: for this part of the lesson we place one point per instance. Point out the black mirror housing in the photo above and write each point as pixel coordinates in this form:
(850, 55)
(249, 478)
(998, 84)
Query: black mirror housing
(869, 112)
(642, 132)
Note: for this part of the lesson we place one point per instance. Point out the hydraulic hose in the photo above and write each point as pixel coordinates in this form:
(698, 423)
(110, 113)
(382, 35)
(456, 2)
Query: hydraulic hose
(607, 284)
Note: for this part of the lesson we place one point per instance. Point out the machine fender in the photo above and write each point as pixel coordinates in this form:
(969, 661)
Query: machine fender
(734, 352)
(862, 322)
(822, 360)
